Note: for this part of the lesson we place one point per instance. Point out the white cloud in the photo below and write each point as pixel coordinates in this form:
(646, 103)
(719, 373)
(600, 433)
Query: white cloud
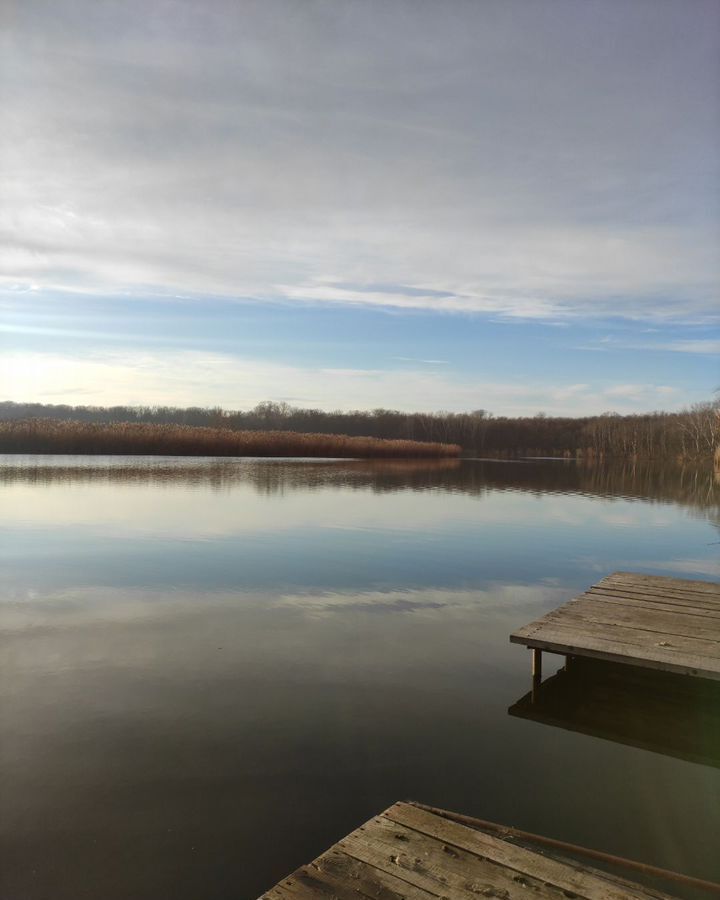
(428, 362)
(703, 346)
(526, 160)
(571, 390)
(709, 347)
(625, 390)
(432, 603)
(646, 394)
(186, 378)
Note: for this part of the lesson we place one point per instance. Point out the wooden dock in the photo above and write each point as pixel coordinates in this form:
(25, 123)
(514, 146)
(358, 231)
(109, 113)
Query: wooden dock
(669, 624)
(411, 852)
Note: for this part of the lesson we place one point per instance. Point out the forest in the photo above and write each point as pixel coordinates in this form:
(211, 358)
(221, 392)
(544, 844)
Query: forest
(691, 433)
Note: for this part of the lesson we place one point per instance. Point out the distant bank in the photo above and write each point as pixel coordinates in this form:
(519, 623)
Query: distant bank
(687, 434)
(133, 438)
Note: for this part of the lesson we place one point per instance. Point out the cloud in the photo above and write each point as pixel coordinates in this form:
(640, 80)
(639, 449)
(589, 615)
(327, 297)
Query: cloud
(702, 346)
(187, 378)
(625, 390)
(427, 362)
(647, 393)
(571, 390)
(431, 602)
(710, 347)
(525, 160)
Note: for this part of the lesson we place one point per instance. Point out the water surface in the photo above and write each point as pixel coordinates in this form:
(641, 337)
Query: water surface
(211, 670)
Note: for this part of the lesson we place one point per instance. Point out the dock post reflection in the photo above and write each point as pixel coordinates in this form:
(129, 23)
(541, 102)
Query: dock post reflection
(674, 715)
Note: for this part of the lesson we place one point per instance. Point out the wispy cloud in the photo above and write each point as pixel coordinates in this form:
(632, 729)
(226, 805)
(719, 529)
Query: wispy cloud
(639, 391)
(695, 346)
(625, 390)
(572, 390)
(427, 362)
(433, 602)
(527, 160)
(702, 346)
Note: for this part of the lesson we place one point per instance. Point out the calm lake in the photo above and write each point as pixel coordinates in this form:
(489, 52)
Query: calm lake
(212, 670)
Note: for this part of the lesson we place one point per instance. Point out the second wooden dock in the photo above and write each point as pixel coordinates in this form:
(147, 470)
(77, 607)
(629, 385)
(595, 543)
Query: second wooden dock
(413, 852)
(669, 624)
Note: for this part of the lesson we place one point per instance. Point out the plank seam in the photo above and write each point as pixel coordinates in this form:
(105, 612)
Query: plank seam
(411, 884)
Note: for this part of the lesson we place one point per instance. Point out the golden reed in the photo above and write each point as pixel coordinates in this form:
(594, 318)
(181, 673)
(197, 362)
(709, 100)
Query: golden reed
(51, 436)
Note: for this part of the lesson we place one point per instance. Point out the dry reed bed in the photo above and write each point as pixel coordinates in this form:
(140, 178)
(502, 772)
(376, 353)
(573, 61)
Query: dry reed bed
(51, 436)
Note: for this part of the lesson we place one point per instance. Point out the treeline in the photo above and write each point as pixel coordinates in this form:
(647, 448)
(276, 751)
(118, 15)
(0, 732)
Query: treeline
(70, 437)
(691, 433)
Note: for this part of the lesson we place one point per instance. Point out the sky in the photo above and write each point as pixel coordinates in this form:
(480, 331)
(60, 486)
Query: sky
(417, 205)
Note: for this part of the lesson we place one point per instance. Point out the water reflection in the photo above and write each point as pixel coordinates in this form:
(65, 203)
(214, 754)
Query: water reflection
(674, 715)
(266, 475)
(211, 670)
(691, 485)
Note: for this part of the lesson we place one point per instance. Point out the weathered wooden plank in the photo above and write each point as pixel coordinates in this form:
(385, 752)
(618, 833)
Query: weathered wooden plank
(562, 875)
(305, 884)
(529, 632)
(702, 601)
(434, 865)
(578, 628)
(691, 583)
(662, 604)
(705, 596)
(642, 614)
(336, 876)
(667, 625)
(707, 587)
(640, 603)
(662, 583)
(368, 880)
(577, 631)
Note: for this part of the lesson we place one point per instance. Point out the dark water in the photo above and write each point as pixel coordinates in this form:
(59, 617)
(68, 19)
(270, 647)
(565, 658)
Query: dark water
(212, 671)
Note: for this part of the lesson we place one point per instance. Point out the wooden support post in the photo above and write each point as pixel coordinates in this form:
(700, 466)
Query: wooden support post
(536, 672)
(537, 665)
